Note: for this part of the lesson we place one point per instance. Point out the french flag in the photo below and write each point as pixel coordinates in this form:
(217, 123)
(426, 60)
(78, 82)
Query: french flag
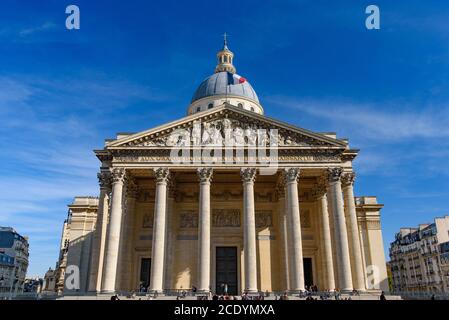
(235, 79)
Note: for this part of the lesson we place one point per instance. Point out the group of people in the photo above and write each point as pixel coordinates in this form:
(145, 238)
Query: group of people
(310, 293)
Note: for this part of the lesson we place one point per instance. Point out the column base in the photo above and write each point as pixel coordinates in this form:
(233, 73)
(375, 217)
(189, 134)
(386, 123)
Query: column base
(106, 292)
(203, 291)
(346, 291)
(251, 291)
(156, 291)
(296, 291)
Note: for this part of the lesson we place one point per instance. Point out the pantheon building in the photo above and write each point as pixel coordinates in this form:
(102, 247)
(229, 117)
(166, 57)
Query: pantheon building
(168, 221)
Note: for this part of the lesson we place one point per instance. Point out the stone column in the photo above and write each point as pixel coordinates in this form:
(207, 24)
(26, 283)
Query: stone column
(248, 176)
(327, 261)
(297, 271)
(113, 237)
(353, 230)
(157, 253)
(128, 234)
(98, 242)
(341, 234)
(205, 176)
(170, 236)
(283, 215)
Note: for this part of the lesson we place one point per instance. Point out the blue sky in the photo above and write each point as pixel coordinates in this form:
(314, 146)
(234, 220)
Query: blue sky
(135, 64)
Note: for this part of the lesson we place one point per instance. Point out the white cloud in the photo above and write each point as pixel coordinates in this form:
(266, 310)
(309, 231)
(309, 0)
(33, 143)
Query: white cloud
(367, 121)
(42, 27)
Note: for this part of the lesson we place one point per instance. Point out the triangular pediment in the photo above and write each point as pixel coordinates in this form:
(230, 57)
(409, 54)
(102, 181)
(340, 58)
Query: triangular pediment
(226, 116)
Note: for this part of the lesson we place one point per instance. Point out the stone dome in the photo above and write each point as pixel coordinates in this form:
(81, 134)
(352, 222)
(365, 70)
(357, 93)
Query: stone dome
(224, 86)
(220, 84)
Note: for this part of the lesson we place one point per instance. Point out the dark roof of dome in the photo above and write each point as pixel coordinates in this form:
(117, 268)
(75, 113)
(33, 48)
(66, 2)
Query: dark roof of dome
(218, 84)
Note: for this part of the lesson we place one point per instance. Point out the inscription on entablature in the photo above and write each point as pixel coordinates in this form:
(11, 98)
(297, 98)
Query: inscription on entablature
(226, 218)
(282, 158)
(284, 155)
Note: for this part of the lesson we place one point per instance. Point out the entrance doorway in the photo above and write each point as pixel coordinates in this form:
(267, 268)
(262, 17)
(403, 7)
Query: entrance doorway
(226, 270)
(145, 271)
(308, 272)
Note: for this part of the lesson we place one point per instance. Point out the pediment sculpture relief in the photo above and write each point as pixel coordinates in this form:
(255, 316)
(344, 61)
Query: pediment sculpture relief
(229, 131)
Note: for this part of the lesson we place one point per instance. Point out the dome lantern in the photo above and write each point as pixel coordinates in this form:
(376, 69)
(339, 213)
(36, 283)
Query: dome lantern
(224, 58)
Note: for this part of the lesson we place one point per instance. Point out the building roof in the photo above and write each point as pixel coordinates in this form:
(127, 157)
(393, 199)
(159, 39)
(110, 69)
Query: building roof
(8, 235)
(220, 83)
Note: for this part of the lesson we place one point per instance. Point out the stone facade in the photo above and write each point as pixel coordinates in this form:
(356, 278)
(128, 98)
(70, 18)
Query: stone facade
(168, 222)
(419, 258)
(76, 247)
(15, 246)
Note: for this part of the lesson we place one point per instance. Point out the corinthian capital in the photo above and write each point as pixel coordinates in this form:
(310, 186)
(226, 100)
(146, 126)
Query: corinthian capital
(334, 174)
(161, 174)
(347, 179)
(205, 174)
(320, 189)
(248, 174)
(280, 186)
(131, 188)
(104, 180)
(291, 174)
(118, 175)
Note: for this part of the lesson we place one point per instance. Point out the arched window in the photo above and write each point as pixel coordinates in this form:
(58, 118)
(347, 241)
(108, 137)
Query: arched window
(198, 109)
(252, 108)
(240, 105)
(210, 106)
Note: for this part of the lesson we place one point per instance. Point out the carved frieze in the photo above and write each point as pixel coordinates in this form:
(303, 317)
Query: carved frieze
(147, 220)
(226, 218)
(264, 219)
(188, 219)
(305, 219)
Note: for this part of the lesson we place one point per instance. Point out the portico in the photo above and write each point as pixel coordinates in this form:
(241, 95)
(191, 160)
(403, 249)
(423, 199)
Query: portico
(215, 208)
